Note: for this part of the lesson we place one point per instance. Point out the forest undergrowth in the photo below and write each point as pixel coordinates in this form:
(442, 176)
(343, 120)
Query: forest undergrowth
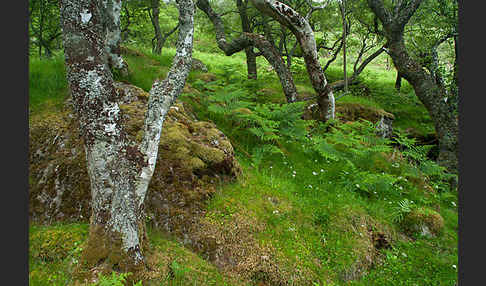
(338, 204)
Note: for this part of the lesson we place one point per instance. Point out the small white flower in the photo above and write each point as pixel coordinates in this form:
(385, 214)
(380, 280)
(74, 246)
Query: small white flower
(315, 160)
(285, 163)
(454, 266)
(357, 185)
(322, 170)
(401, 188)
(271, 167)
(294, 172)
(404, 254)
(293, 175)
(374, 193)
(314, 173)
(310, 186)
(291, 229)
(453, 203)
(275, 212)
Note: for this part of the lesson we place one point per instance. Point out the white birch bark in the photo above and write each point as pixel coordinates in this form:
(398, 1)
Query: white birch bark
(303, 32)
(119, 170)
(113, 35)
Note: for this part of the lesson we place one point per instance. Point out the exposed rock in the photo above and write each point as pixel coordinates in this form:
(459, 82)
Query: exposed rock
(198, 65)
(193, 157)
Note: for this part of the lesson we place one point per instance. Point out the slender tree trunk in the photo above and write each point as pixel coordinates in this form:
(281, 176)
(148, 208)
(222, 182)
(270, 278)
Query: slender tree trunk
(111, 22)
(41, 27)
(154, 16)
(119, 170)
(247, 39)
(275, 59)
(343, 15)
(398, 82)
(250, 54)
(301, 29)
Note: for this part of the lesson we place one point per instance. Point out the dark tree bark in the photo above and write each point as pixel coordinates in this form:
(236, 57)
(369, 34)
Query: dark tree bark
(119, 169)
(398, 82)
(424, 84)
(247, 40)
(303, 32)
(357, 71)
(245, 25)
(154, 17)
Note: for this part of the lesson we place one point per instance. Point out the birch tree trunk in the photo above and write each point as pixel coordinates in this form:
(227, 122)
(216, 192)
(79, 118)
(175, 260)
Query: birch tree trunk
(119, 170)
(305, 36)
(111, 19)
(429, 92)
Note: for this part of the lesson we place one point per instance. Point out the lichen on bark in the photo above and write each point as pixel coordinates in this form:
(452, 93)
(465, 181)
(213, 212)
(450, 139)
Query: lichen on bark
(119, 170)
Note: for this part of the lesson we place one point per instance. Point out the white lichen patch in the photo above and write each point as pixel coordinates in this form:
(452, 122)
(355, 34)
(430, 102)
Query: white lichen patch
(85, 16)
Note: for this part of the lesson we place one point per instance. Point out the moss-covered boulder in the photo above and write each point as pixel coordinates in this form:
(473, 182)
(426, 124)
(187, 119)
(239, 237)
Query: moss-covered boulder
(423, 222)
(194, 156)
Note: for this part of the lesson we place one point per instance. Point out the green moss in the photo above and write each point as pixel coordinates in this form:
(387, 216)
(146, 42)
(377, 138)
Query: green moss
(208, 154)
(423, 221)
(356, 111)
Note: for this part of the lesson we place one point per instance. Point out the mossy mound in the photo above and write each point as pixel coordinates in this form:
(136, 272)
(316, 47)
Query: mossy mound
(424, 222)
(232, 246)
(57, 242)
(362, 236)
(194, 156)
(348, 111)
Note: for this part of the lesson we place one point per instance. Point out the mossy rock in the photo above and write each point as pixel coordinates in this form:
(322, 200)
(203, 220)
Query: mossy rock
(193, 158)
(423, 222)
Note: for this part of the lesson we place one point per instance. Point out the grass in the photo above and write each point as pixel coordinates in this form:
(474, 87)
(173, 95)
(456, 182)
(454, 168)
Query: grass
(54, 252)
(320, 215)
(47, 83)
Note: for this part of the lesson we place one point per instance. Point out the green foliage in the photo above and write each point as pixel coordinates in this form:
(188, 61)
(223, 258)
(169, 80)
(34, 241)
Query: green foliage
(404, 207)
(116, 279)
(260, 126)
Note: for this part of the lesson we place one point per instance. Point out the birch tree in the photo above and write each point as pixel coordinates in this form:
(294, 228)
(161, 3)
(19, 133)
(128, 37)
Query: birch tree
(111, 23)
(247, 40)
(429, 91)
(300, 27)
(119, 170)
